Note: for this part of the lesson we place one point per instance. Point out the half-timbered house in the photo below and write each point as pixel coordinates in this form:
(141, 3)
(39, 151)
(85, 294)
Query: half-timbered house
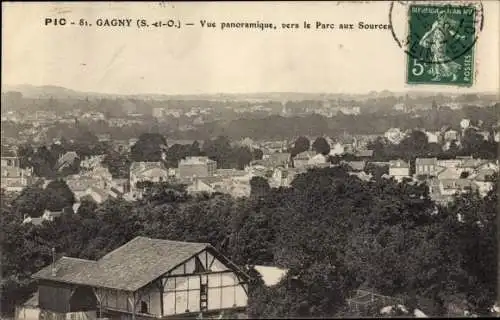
(145, 279)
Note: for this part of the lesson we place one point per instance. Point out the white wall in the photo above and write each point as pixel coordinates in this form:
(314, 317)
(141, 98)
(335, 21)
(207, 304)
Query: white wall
(27, 313)
(183, 293)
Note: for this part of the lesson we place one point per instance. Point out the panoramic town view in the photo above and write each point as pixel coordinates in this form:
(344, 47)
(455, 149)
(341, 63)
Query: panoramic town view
(362, 198)
(396, 191)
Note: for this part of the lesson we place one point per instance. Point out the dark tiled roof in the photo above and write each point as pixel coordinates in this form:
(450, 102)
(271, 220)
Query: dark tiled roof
(69, 270)
(130, 267)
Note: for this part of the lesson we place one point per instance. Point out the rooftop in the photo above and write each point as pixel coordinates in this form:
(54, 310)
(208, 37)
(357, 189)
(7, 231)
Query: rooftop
(195, 160)
(137, 167)
(398, 164)
(129, 267)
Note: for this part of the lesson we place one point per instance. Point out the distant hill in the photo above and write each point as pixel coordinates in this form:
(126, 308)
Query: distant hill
(57, 92)
(42, 91)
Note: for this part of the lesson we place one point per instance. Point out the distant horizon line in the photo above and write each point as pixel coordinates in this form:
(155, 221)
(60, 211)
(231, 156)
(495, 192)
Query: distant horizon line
(419, 90)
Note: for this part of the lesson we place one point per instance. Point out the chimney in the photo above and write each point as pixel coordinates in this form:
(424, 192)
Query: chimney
(54, 262)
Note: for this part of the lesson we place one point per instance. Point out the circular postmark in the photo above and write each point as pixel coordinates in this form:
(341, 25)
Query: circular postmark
(436, 32)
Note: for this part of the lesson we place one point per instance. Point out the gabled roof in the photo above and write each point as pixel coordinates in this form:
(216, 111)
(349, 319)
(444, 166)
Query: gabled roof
(129, 267)
(68, 157)
(356, 165)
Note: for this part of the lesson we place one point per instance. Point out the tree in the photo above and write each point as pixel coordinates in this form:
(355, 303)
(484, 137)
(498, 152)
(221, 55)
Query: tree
(242, 156)
(59, 195)
(118, 164)
(377, 171)
(320, 145)
(415, 145)
(148, 148)
(25, 154)
(31, 202)
(301, 144)
(259, 186)
(257, 154)
(219, 150)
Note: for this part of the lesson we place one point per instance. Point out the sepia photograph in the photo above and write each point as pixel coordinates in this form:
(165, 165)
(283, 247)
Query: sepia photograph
(249, 160)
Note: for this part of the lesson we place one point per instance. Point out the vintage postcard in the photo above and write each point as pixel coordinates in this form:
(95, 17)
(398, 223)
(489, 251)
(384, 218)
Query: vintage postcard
(234, 160)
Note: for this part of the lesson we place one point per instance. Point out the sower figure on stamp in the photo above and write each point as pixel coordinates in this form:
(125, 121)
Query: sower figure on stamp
(435, 39)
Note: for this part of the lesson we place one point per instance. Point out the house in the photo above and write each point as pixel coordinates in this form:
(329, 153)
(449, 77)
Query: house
(399, 169)
(230, 173)
(426, 167)
(279, 159)
(451, 135)
(236, 187)
(336, 149)
(449, 163)
(274, 146)
(103, 137)
(356, 166)
(364, 154)
(97, 194)
(13, 177)
(348, 143)
(199, 186)
(318, 160)
(452, 186)
(469, 163)
(282, 177)
(259, 170)
(145, 279)
(147, 172)
(92, 162)
(79, 185)
(47, 216)
(394, 135)
(450, 173)
(197, 166)
(101, 173)
(433, 137)
(274, 160)
(302, 159)
(483, 178)
(361, 175)
(66, 160)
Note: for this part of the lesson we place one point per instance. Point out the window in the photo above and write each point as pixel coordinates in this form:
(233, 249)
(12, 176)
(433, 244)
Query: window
(144, 307)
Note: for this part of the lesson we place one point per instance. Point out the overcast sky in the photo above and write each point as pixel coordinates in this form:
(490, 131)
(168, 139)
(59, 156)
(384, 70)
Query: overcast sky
(195, 60)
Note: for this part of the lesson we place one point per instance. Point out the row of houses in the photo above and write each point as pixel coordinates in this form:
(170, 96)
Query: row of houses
(447, 177)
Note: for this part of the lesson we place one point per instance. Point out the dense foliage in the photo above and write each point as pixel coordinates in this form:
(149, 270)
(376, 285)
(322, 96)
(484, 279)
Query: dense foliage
(334, 232)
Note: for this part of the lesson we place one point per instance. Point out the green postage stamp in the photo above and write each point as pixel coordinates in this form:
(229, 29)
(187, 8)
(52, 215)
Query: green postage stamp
(440, 44)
